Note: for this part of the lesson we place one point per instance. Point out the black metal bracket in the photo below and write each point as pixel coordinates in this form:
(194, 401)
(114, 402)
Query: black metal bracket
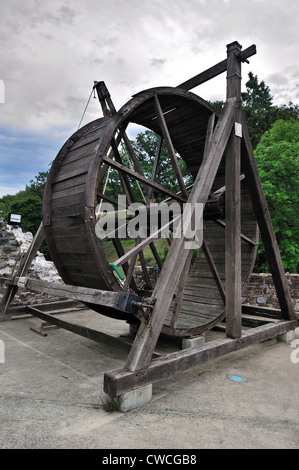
(131, 303)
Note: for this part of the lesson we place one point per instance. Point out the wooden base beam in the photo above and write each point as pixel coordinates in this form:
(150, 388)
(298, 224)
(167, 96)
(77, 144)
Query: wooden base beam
(122, 381)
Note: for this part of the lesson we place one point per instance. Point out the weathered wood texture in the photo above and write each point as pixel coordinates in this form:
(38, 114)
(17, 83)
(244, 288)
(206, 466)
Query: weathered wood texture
(80, 167)
(233, 203)
(121, 381)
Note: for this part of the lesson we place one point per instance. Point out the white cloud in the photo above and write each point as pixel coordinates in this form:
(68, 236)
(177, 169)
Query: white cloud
(53, 51)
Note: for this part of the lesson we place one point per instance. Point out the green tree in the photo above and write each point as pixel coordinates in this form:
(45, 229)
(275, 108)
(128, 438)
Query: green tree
(260, 112)
(145, 147)
(257, 104)
(37, 185)
(31, 210)
(277, 157)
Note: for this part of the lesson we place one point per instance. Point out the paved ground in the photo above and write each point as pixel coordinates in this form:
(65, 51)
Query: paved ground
(51, 391)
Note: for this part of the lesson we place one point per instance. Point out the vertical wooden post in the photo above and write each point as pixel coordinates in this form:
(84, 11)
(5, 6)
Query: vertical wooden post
(232, 202)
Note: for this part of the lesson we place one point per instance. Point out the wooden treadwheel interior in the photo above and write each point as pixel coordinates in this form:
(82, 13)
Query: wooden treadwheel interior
(100, 156)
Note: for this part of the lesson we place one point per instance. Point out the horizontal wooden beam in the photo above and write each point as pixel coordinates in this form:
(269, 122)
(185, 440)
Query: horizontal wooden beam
(216, 70)
(262, 311)
(122, 381)
(83, 294)
(81, 330)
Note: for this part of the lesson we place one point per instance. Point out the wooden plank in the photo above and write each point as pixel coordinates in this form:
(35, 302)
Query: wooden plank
(94, 335)
(262, 311)
(145, 341)
(121, 381)
(265, 225)
(84, 294)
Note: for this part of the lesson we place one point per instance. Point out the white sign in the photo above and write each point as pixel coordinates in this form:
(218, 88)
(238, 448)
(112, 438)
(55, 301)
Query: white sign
(238, 129)
(15, 218)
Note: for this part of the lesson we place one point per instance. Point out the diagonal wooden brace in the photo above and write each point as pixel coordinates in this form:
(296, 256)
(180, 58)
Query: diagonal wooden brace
(147, 335)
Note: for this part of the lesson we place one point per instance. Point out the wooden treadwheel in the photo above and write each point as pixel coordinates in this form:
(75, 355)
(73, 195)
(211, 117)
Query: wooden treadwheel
(76, 186)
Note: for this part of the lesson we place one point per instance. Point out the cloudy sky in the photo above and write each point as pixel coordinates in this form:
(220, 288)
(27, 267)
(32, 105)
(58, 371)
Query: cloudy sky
(52, 51)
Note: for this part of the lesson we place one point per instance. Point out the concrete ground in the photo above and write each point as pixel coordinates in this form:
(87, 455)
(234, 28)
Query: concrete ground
(51, 395)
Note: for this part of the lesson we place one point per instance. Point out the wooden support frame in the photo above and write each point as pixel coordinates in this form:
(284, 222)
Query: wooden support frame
(141, 369)
(233, 203)
(147, 336)
(124, 380)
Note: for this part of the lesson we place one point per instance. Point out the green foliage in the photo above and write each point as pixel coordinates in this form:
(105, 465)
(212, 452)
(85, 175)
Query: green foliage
(28, 203)
(259, 110)
(257, 103)
(31, 210)
(277, 157)
(37, 186)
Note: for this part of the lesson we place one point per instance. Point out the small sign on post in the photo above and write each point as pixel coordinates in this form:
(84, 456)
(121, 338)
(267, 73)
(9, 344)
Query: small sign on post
(14, 219)
(238, 129)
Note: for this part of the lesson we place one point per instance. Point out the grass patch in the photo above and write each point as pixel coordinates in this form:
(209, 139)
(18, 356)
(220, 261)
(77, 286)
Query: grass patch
(111, 404)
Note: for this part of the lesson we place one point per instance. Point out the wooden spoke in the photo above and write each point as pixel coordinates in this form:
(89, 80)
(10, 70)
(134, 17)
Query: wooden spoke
(210, 128)
(139, 177)
(129, 277)
(104, 167)
(243, 237)
(156, 255)
(120, 252)
(155, 166)
(214, 270)
(122, 175)
(180, 291)
(144, 269)
(141, 245)
(170, 147)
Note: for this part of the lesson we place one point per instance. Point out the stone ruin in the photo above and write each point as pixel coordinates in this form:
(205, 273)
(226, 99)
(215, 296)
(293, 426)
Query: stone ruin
(13, 244)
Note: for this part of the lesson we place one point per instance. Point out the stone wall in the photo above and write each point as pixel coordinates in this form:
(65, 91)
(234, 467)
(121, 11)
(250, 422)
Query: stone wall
(13, 244)
(260, 291)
